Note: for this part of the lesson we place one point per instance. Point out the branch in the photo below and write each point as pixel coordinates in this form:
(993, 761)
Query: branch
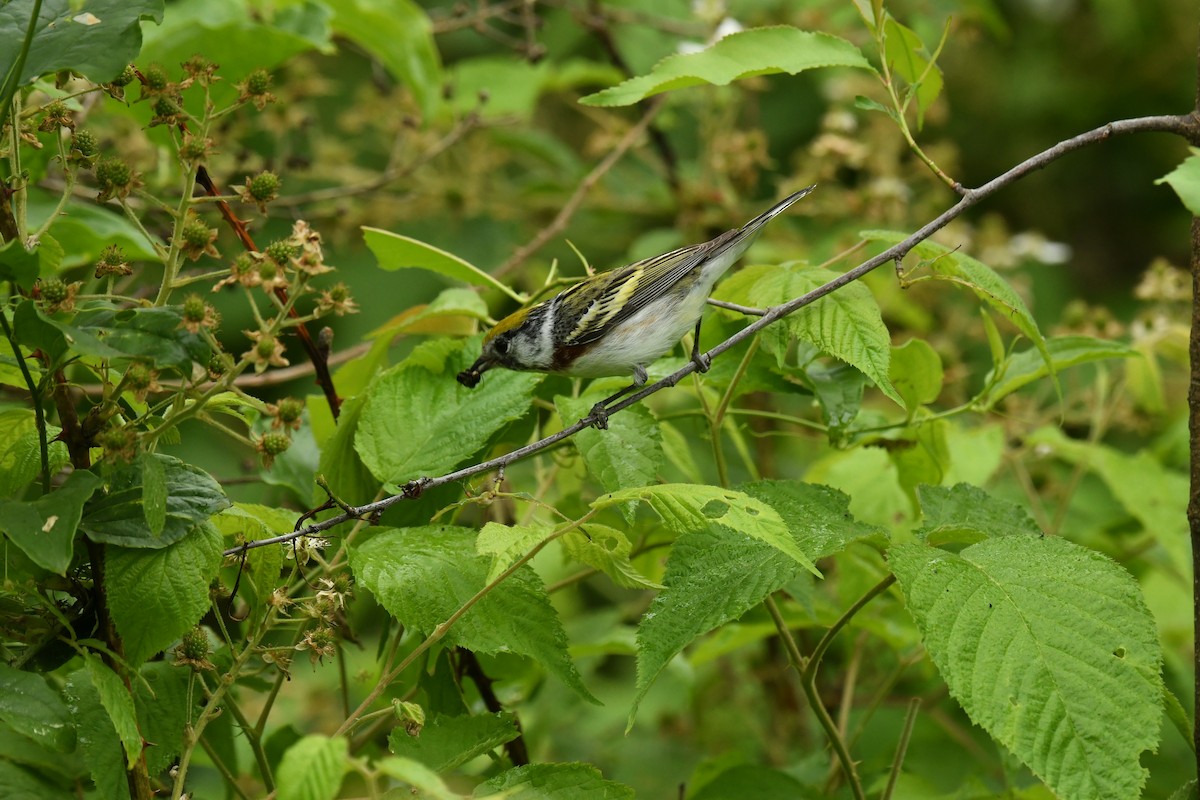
(1185, 125)
(568, 210)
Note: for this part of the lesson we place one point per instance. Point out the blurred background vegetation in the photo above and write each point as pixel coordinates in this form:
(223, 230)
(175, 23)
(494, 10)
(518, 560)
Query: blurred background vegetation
(476, 145)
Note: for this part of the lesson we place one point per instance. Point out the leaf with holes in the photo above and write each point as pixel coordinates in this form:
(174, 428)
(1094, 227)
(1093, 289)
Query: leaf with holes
(1049, 647)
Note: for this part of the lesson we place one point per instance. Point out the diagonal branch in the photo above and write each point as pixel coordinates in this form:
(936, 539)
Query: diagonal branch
(1184, 125)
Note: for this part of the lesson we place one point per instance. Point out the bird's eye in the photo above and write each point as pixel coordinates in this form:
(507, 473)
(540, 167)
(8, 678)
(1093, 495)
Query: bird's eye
(501, 346)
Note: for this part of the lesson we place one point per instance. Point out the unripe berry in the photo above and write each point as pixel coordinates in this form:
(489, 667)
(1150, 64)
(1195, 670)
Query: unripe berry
(290, 410)
(126, 77)
(281, 252)
(275, 443)
(85, 142)
(54, 291)
(264, 186)
(156, 78)
(258, 82)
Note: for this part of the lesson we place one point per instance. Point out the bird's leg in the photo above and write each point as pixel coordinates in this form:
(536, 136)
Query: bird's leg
(702, 361)
(600, 410)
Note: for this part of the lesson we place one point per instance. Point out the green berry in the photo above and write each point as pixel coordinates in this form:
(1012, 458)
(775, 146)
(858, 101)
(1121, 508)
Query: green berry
(113, 175)
(275, 443)
(54, 291)
(138, 376)
(339, 292)
(264, 186)
(281, 252)
(156, 78)
(85, 142)
(194, 645)
(290, 410)
(127, 76)
(267, 270)
(216, 366)
(196, 234)
(265, 347)
(258, 82)
(194, 308)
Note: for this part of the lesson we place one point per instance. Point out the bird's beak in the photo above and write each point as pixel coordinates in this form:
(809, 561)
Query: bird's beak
(470, 376)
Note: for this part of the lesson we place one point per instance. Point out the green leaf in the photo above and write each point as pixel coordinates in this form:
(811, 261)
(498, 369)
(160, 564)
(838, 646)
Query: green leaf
(154, 495)
(1048, 647)
(422, 576)
(1185, 180)
(238, 36)
(908, 58)
(512, 86)
(759, 51)
(846, 324)
(340, 464)
(313, 768)
(453, 311)
(394, 251)
(419, 421)
(1155, 496)
(155, 596)
(34, 330)
(118, 516)
(839, 389)
(449, 742)
(154, 334)
(549, 781)
(507, 543)
(751, 780)
(687, 507)
(699, 595)
(246, 522)
(17, 264)
(98, 742)
(84, 229)
(425, 782)
(921, 456)
(965, 513)
(916, 373)
(397, 33)
(1065, 351)
(96, 38)
(33, 709)
(606, 549)
(628, 454)
(950, 265)
(45, 528)
(118, 704)
(161, 697)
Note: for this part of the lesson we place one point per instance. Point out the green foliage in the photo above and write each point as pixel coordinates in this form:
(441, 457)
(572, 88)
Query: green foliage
(215, 449)
(1185, 180)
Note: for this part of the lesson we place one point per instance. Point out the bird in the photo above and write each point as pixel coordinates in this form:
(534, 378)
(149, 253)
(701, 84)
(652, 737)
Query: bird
(618, 322)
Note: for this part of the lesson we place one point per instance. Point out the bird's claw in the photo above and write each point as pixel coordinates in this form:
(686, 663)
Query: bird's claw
(599, 416)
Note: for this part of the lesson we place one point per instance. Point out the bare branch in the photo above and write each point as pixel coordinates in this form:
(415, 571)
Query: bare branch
(1186, 126)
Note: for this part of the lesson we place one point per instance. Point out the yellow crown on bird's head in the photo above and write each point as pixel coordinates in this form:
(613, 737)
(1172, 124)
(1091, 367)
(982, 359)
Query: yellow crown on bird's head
(513, 320)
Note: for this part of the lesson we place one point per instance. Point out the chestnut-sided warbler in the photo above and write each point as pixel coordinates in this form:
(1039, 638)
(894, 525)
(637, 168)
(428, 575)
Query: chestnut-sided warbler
(617, 322)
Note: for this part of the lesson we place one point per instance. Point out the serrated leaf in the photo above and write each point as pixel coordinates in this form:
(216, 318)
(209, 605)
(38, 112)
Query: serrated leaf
(506, 543)
(313, 768)
(916, 373)
(1185, 180)
(32, 329)
(839, 388)
(33, 709)
(687, 507)
(98, 742)
(45, 528)
(117, 516)
(118, 704)
(758, 51)
(155, 596)
(449, 742)
(20, 455)
(1048, 647)
(950, 265)
(921, 456)
(154, 495)
(247, 522)
(547, 781)
(628, 454)
(965, 513)
(419, 421)
(394, 251)
(1065, 351)
(17, 264)
(699, 595)
(67, 38)
(399, 34)
(1154, 495)
(161, 695)
(154, 334)
(424, 575)
(846, 324)
(606, 549)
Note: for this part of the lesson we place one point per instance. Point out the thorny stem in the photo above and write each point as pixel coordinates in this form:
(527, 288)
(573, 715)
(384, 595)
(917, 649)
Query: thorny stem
(1183, 125)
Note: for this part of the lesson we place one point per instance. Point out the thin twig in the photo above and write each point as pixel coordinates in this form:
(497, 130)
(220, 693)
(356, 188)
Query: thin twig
(1182, 125)
(559, 223)
(905, 736)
